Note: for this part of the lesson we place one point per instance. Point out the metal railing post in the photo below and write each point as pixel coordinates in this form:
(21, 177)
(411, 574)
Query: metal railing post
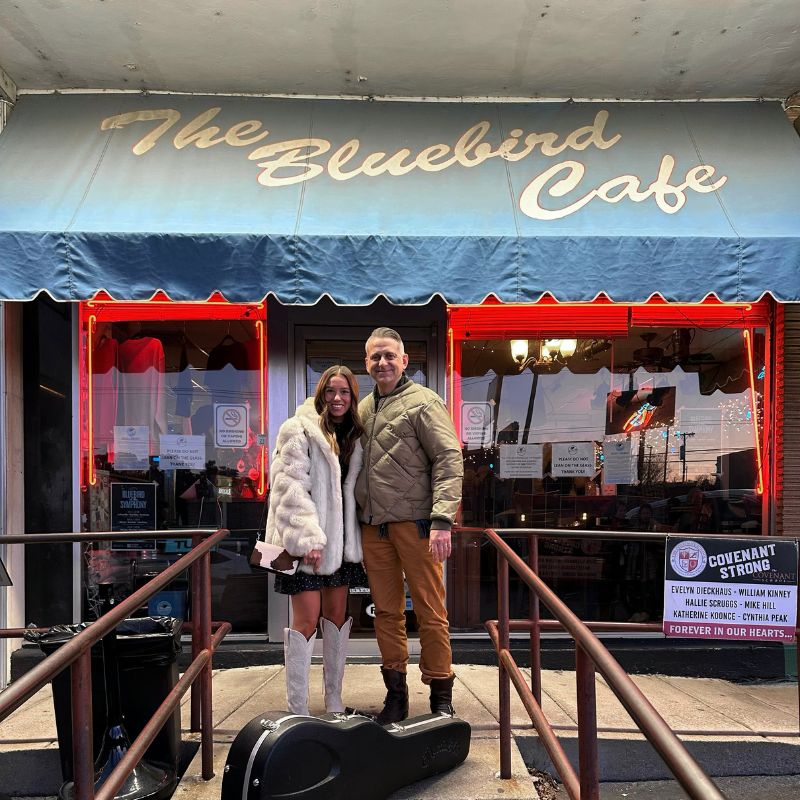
(196, 603)
(82, 727)
(504, 691)
(536, 633)
(206, 715)
(75, 654)
(591, 656)
(589, 768)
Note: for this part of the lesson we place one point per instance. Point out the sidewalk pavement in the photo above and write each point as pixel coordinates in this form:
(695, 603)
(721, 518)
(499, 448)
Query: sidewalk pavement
(756, 729)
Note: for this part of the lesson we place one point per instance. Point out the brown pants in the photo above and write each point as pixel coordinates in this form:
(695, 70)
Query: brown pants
(386, 560)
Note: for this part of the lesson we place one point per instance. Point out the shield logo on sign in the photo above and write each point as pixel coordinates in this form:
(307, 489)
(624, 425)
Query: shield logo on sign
(689, 558)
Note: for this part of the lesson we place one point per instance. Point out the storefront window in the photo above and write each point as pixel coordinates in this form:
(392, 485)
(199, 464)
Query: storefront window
(656, 427)
(173, 435)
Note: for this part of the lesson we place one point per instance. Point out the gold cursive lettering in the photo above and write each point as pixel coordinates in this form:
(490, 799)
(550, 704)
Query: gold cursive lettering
(696, 177)
(506, 148)
(169, 115)
(290, 155)
(192, 133)
(529, 199)
(372, 167)
(236, 134)
(628, 186)
(426, 160)
(393, 164)
(469, 140)
(344, 154)
(579, 139)
(470, 150)
(547, 142)
(593, 135)
(668, 197)
(662, 189)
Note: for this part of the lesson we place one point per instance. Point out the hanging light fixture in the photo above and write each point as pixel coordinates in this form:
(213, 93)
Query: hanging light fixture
(519, 350)
(568, 347)
(551, 351)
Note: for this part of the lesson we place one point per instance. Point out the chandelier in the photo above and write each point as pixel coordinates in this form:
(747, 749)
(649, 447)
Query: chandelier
(551, 351)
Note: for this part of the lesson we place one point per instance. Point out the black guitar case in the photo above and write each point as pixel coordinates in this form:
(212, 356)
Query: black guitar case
(339, 756)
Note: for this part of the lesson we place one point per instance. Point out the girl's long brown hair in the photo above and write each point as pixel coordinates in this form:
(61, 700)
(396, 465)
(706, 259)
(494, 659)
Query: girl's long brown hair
(352, 421)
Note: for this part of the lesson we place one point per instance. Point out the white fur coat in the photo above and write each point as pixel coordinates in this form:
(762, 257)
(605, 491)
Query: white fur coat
(309, 508)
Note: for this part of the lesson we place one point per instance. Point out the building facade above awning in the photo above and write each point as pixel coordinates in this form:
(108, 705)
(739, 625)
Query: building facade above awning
(252, 197)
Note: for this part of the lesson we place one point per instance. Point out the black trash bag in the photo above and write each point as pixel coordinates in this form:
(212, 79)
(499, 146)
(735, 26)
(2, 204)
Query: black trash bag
(157, 642)
(146, 652)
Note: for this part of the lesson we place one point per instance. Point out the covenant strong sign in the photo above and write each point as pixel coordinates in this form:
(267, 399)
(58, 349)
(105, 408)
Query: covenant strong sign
(719, 588)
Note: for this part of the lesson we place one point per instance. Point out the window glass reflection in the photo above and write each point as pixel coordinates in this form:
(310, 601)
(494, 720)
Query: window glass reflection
(175, 424)
(656, 431)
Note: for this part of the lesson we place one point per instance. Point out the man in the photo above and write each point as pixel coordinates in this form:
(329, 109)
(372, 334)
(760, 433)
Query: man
(408, 493)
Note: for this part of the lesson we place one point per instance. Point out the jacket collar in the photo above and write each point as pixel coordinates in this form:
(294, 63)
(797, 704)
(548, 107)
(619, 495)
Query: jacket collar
(307, 415)
(401, 385)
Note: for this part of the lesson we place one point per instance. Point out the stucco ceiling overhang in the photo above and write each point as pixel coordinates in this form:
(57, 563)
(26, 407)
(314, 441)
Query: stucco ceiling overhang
(630, 49)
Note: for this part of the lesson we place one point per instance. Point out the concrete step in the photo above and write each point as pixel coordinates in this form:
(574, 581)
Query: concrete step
(242, 694)
(756, 728)
(29, 762)
(752, 728)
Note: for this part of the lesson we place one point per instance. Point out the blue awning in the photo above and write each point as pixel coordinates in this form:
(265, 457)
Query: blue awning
(133, 194)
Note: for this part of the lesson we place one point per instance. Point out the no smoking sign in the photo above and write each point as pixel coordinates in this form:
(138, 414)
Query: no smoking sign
(476, 423)
(230, 425)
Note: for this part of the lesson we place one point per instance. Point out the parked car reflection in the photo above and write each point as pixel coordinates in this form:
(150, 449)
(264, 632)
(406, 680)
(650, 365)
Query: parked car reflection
(712, 511)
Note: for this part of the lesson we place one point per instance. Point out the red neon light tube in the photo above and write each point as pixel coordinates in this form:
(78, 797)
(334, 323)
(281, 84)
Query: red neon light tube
(261, 333)
(91, 477)
(748, 338)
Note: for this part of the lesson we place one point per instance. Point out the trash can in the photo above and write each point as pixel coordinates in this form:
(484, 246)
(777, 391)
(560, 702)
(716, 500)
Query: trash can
(147, 650)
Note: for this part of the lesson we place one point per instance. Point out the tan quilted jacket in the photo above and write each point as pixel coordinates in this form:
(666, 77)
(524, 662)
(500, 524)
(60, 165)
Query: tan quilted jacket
(413, 468)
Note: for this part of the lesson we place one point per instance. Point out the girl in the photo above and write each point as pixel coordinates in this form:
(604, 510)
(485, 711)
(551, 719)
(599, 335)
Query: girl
(312, 515)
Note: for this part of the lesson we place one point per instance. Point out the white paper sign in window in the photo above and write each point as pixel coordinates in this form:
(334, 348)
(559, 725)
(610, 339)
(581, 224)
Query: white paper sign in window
(520, 461)
(131, 446)
(182, 452)
(617, 464)
(573, 459)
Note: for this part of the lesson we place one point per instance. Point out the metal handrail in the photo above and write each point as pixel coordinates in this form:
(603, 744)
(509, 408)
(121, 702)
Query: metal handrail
(76, 653)
(591, 654)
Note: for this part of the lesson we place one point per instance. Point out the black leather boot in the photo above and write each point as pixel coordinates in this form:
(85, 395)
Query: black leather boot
(395, 706)
(442, 695)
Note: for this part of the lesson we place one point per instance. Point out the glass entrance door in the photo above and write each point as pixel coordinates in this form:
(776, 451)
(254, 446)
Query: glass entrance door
(321, 348)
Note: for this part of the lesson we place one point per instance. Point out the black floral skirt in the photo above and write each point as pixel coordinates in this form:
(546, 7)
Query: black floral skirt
(349, 574)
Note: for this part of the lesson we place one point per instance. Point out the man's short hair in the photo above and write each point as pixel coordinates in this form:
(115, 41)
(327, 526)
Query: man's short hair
(386, 333)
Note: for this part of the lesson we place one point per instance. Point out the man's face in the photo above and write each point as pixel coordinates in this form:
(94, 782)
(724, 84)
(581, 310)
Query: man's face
(385, 363)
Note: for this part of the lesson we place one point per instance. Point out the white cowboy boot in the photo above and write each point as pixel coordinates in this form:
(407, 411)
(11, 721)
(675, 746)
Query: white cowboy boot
(334, 657)
(297, 652)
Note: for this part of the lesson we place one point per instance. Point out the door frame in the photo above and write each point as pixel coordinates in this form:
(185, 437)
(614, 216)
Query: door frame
(350, 333)
(289, 328)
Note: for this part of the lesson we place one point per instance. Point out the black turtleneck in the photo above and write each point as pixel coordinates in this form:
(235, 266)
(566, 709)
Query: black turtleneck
(340, 430)
(377, 395)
